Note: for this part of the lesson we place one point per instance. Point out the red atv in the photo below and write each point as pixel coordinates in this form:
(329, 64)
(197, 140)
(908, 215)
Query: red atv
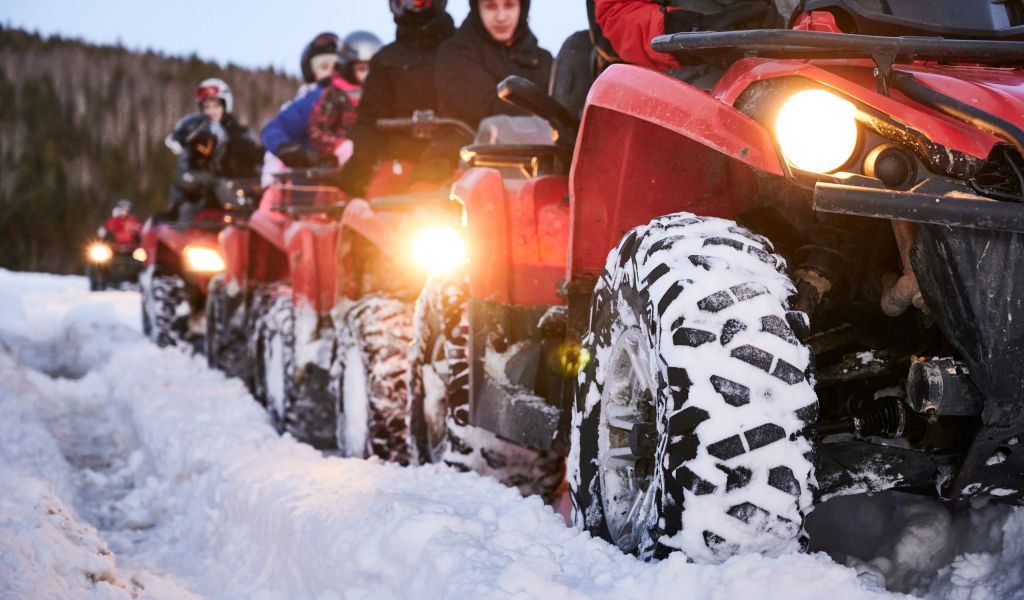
(315, 282)
(805, 283)
(180, 255)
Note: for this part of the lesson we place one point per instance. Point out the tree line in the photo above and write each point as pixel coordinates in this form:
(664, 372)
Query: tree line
(82, 125)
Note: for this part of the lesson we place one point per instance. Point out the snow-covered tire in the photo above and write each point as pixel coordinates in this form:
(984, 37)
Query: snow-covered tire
(369, 379)
(297, 404)
(166, 311)
(272, 349)
(226, 340)
(697, 394)
(438, 365)
(439, 359)
(95, 276)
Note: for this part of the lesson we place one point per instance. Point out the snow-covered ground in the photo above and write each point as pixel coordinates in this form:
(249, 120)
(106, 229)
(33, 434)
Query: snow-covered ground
(132, 472)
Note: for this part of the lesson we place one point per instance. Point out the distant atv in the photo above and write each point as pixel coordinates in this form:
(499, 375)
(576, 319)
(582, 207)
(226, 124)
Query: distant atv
(181, 255)
(112, 265)
(315, 303)
(803, 284)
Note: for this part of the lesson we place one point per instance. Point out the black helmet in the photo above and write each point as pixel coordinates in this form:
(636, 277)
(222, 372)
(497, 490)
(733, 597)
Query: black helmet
(404, 8)
(358, 46)
(324, 43)
(196, 132)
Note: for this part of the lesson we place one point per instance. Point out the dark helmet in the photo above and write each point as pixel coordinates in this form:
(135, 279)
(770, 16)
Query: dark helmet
(405, 8)
(358, 46)
(196, 132)
(324, 43)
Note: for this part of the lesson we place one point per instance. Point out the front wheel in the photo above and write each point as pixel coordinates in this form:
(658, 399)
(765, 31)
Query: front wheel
(166, 310)
(369, 378)
(226, 336)
(689, 417)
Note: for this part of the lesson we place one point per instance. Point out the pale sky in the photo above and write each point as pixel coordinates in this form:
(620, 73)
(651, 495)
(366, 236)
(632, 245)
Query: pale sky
(253, 33)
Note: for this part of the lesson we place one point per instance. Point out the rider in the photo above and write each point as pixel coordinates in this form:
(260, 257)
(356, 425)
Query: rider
(242, 155)
(317, 64)
(334, 113)
(286, 136)
(401, 81)
(122, 228)
(493, 42)
(623, 29)
(199, 143)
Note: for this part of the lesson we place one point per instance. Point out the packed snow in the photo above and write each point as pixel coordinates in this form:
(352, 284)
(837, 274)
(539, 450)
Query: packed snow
(127, 471)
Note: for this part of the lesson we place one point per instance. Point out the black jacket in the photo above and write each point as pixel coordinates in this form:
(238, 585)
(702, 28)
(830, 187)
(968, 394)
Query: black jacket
(474, 64)
(241, 157)
(401, 81)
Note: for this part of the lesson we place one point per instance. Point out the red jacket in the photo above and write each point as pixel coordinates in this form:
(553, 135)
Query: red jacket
(630, 25)
(334, 116)
(123, 231)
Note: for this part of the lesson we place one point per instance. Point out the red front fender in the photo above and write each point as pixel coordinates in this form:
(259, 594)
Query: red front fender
(651, 145)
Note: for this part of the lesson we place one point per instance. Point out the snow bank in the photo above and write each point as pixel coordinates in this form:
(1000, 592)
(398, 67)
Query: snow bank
(149, 475)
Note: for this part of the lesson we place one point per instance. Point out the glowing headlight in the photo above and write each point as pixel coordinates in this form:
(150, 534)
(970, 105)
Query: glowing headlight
(100, 253)
(439, 249)
(817, 131)
(139, 254)
(203, 260)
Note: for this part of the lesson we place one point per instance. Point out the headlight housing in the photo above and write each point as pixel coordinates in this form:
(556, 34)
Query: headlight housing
(439, 249)
(100, 253)
(199, 259)
(817, 131)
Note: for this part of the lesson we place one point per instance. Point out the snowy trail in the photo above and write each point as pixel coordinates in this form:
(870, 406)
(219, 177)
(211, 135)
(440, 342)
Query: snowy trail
(128, 471)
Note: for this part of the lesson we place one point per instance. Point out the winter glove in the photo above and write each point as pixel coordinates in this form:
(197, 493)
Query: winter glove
(294, 156)
(738, 16)
(193, 180)
(344, 152)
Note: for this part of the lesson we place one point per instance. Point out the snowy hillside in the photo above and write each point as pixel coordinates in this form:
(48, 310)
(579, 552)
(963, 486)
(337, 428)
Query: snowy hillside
(132, 472)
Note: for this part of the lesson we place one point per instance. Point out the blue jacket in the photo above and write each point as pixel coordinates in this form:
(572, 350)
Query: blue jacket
(291, 125)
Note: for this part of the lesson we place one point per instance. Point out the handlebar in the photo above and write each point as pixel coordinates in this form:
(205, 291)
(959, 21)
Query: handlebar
(423, 124)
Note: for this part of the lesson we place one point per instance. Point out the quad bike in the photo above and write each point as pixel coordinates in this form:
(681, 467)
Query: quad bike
(180, 255)
(317, 288)
(388, 245)
(803, 284)
(112, 265)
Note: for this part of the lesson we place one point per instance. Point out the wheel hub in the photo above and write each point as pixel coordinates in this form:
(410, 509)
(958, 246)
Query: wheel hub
(627, 441)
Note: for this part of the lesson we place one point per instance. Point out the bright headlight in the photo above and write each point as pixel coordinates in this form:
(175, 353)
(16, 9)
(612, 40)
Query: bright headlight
(439, 249)
(203, 260)
(100, 253)
(817, 131)
(139, 254)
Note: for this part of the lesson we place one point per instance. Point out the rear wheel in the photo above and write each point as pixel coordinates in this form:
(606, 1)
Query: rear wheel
(439, 400)
(370, 379)
(295, 395)
(438, 365)
(690, 416)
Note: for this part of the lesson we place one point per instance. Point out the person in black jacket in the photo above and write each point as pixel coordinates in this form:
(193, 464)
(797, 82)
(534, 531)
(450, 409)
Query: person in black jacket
(493, 42)
(401, 81)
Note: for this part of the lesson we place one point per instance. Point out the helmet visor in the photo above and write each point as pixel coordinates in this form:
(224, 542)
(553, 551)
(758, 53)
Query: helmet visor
(207, 91)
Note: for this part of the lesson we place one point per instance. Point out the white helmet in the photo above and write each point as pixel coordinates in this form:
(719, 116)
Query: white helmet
(215, 88)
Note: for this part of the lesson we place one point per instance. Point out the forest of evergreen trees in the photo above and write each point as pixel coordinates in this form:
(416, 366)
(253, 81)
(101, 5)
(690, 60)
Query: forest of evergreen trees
(83, 125)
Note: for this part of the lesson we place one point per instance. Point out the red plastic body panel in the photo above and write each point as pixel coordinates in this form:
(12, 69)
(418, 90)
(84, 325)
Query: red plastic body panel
(312, 247)
(165, 243)
(651, 145)
(519, 236)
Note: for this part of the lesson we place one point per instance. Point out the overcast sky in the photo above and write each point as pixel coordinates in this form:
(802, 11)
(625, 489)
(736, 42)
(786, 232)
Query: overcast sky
(253, 33)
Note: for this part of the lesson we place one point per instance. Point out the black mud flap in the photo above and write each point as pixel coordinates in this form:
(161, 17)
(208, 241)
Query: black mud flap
(973, 282)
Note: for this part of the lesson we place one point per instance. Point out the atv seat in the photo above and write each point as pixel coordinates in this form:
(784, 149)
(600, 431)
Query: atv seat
(520, 143)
